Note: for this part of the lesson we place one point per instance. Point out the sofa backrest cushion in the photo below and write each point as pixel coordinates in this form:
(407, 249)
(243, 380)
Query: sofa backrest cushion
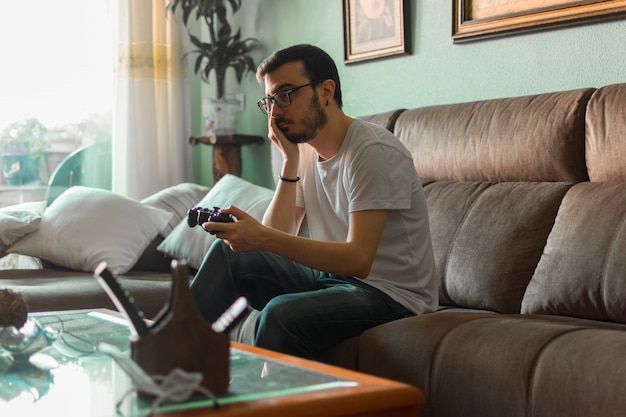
(606, 134)
(488, 238)
(531, 138)
(582, 272)
(387, 119)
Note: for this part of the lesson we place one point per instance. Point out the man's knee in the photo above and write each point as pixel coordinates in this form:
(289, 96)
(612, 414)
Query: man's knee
(277, 325)
(277, 314)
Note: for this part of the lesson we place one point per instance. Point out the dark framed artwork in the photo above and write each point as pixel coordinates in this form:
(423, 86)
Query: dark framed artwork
(375, 29)
(480, 19)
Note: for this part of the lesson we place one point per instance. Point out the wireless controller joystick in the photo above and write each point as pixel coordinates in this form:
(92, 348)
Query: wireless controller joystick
(198, 215)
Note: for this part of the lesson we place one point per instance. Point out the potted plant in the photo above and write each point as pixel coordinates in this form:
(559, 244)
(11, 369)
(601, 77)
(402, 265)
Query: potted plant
(225, 49)
(21, 145)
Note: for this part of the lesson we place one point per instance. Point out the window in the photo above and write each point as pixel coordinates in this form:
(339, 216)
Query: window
(57, 85)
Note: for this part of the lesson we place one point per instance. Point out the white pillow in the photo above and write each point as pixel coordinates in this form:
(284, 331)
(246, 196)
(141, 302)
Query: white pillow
(85, 226)
(177, 200)
(17, 221)
(191, 244)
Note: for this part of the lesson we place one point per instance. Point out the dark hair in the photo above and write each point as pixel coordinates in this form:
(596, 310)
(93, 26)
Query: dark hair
(318, 65)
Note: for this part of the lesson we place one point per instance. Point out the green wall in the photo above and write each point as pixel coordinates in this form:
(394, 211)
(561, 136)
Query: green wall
(436, 72)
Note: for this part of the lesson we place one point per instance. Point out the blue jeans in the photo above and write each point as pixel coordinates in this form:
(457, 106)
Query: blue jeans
(302, 311)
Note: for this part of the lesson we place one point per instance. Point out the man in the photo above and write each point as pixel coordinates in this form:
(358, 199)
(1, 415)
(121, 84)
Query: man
(369, 258)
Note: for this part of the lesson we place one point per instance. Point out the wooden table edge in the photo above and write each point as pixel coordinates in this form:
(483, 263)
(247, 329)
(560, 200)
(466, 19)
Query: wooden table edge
(373, 396)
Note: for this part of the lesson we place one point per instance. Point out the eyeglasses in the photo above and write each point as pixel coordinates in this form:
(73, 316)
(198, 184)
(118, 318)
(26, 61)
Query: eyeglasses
(281, 98)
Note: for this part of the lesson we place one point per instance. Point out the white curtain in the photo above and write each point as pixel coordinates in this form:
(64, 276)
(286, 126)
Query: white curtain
(151, 122)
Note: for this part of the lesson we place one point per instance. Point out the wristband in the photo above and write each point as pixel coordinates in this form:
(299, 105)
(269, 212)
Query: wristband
(280, 177)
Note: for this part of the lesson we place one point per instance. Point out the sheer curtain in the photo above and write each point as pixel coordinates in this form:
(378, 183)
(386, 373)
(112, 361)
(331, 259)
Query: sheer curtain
(151, 122)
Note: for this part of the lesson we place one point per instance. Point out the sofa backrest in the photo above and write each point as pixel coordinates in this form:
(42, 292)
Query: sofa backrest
(527, 200)
(386, 119)
(488, 238)
(530, 138)
(605, 142)
(582, 272)
(495, 173)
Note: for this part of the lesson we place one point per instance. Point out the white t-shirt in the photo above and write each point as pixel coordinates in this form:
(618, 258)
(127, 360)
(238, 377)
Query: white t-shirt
(373, 170)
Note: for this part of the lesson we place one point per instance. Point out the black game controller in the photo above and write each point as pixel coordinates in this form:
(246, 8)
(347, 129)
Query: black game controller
(198, 215)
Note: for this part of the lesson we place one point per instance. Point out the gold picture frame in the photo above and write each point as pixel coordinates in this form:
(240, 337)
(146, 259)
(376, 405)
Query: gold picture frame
(480, 19)
(375, 29)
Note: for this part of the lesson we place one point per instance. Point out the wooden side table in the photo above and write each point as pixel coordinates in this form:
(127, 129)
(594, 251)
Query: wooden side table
(226, 152)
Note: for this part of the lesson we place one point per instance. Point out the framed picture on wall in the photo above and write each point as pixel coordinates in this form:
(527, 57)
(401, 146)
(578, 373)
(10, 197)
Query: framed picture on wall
(481, 19)
(375, 29)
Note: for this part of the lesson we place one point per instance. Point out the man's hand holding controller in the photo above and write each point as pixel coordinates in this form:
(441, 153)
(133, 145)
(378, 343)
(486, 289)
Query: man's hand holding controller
(199, 215)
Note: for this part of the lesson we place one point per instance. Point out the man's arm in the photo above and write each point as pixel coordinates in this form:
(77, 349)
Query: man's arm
(354, 257)
(282, 212)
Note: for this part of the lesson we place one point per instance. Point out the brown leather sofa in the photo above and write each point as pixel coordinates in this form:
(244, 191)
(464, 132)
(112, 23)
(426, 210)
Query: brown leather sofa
(527, 200)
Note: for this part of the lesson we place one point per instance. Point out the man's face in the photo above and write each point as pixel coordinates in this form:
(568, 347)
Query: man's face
(301, 121)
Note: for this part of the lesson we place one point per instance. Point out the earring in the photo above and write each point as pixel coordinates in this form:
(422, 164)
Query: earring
(326, 103)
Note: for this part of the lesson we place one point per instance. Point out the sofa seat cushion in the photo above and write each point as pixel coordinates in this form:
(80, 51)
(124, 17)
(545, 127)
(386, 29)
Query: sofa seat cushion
(61, 289)
(488, 238)
(567, 370)
(483, 365)
(582, 272)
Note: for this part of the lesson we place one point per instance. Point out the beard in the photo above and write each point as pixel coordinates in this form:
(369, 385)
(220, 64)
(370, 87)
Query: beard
(314, 121)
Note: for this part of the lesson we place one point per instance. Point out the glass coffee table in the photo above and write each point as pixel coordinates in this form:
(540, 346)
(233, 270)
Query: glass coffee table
(73, 378)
